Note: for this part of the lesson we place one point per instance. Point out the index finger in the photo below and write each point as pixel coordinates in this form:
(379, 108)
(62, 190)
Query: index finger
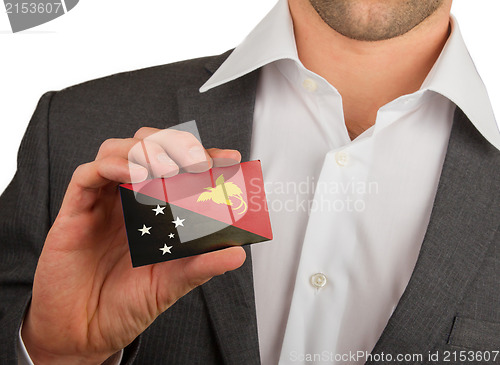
(182, 147)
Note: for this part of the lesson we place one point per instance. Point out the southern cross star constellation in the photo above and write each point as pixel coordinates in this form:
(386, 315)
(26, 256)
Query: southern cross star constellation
(178, 222)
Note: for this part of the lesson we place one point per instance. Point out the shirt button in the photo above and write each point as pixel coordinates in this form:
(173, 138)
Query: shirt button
(310, 85)
(318, 280)
(342, 158)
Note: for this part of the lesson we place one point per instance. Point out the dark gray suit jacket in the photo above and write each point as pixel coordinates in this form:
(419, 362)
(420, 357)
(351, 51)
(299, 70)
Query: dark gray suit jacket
(451, 303)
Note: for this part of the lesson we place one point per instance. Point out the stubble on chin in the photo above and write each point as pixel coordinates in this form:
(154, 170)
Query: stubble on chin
(368, 20)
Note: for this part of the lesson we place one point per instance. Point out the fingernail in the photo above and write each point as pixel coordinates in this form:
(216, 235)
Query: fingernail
(197, 154)
(137, 173)
(224, 162)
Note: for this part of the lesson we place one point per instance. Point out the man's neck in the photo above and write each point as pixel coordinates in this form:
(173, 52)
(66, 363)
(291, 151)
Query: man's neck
(368, 75)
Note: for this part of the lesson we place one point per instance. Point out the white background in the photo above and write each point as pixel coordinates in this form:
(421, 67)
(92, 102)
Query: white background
(98, 38)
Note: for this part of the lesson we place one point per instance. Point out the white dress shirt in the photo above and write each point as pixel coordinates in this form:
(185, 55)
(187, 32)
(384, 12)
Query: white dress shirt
(348, 217)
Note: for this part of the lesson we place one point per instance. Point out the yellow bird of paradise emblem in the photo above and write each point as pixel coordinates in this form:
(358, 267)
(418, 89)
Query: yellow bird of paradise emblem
(222, 194)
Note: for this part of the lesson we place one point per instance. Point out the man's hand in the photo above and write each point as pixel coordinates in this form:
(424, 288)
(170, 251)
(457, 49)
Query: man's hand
(88, 302)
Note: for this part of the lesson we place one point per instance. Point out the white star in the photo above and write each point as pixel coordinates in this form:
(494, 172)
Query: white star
(165, 249)
(158, 210)
(144, 230)
(178, 222)
(171, 235)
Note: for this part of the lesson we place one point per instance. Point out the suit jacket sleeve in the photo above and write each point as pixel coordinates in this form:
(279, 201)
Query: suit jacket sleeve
(24, 223)
(25, 220)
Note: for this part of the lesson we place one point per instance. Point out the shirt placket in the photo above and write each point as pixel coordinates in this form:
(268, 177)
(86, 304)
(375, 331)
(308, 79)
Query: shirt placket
(330, 239)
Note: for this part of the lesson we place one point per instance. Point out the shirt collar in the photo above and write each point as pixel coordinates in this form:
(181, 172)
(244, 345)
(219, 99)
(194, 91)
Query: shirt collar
(453, 75)
(271, 40)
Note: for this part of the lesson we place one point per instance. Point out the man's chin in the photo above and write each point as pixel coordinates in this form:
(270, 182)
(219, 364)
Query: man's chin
(371, 21)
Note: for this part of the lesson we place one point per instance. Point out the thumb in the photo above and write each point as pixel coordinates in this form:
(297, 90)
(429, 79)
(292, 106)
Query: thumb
(191, 272)
(203, 267)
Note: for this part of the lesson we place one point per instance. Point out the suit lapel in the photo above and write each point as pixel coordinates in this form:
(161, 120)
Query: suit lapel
(224, 117)
(464, 219)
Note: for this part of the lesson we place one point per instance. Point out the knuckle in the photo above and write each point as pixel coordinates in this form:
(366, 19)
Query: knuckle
(106, 146)
(149, 146)
(136, 147)
(183, 137)
(143, 132)
(80, 171)
(134, 150)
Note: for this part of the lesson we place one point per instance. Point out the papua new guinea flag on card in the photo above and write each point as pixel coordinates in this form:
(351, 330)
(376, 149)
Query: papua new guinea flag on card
(190, 214)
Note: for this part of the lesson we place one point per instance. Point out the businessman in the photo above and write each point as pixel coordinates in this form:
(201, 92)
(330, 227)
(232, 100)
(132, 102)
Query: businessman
(401, 258)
